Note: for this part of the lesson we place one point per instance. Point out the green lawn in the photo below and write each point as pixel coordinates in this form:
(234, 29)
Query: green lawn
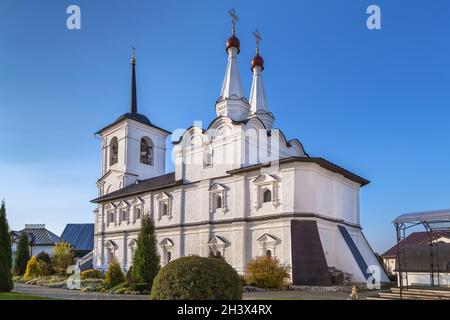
(19, 296)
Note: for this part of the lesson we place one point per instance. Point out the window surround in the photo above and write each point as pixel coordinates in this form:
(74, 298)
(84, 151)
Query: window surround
(110, 253)
(164, 199)
(124, 212)
(268, 242)
(132, 245)
(111, 214)
(218, 244)
(137, 204)
(263, 183)
(215, 191)
(166, 245)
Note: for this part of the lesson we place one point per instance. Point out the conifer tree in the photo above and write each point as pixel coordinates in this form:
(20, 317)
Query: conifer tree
(6, 283)
(22, 255)
(146, 261)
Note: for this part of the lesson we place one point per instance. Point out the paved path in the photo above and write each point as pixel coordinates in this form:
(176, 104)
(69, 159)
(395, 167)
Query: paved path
(305, 295)
(64, 294)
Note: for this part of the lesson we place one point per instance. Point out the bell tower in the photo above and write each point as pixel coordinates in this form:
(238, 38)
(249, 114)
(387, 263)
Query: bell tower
(132, 147)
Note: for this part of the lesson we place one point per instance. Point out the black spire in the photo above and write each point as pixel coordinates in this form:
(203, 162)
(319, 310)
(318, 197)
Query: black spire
(133, 105)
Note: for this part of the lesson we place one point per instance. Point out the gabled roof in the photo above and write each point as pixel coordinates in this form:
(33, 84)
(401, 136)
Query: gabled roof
(40, 236)
(152, 184)
(415, 238)
(80, 236)
(136, 117)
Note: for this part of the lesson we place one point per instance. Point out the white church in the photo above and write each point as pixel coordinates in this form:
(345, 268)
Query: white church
(240, 190)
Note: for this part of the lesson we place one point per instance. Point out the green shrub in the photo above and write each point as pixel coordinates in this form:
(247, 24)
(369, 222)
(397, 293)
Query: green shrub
(197, 278)
(266, 272)
(22, 255)
(114, 276)
(119, 289)
(45, 264)
(62, 257)
(91, 274)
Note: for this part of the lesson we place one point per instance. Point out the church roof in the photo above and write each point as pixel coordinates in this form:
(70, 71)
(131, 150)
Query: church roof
(168, 180)
(152, 184)
(136, 117)
(320, 161)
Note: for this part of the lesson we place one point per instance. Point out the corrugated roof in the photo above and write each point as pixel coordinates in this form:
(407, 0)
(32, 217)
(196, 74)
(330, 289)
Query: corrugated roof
(40, 236)
(415, 238)
(80, 236)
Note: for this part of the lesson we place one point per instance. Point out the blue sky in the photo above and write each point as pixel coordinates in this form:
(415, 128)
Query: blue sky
(374, 102)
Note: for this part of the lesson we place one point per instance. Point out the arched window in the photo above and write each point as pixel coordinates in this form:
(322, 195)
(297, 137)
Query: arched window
(268, 253)
(218, 202)
(113, 151)
(218, 254)
(168, 256)
(267, 196)
(146, 151)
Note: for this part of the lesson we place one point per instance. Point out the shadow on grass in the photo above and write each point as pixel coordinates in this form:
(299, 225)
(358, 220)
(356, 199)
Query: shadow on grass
(20, 296)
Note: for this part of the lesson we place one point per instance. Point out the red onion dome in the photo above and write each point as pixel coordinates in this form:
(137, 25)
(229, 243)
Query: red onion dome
(257, 61)
(233, 42)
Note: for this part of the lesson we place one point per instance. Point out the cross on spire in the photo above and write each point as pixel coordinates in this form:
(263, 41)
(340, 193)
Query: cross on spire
(258, 40)
(133, 57)
(234, 19)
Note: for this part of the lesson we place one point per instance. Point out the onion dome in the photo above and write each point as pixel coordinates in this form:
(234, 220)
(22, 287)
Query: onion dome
(257, 61)
(233, 42)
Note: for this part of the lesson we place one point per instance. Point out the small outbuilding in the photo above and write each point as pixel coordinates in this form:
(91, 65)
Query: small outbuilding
(40, 239)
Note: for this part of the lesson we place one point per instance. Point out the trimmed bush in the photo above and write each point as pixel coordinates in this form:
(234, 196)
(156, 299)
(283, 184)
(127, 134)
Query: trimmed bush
(91, 274)
(197, 278)
(62, 257)
(266, 272)
(6, 283)
(22, 255)
(146, 261)
(114, 276)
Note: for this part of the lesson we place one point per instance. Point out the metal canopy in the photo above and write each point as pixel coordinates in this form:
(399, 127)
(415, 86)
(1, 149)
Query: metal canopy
(432, 221)
(426, 216)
